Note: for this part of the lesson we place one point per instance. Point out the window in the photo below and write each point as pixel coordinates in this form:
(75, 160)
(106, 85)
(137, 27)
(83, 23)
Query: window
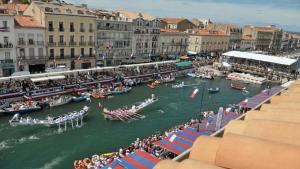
(81, 39)
(62, 53)
(31, 52)
(5, 40)
(41, 52)
(91, 27)
(51, 39)
(50, 26)
(81, 27)
(61, 27)
(72, 27)
(61, 39)
(51, 51)
(22, 53)
(72, 52)
(30, 41)
(72, 38)
(7, 55)
(82, 52)
(91, 52)
(4, 23)
(91, 39)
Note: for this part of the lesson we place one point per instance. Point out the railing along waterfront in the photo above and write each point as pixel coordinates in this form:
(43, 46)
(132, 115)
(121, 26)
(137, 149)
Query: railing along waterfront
(218, 133)
(84, 70)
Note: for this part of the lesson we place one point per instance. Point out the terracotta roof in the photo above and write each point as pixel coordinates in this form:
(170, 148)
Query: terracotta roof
(134, 15)
(262, 28)
(247, 37)
(27, 22)
(172, 20)
(205, 32)
(19, 7)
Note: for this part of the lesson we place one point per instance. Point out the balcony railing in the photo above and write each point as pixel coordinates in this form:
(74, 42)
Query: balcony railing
(50, 29)
(6, 61)
(72, 30)
(61, 29)
(82, 43)
(6, 45)
(30, 43)
(91, 30)
(61, 44)
(51, 43)
(82, 30)
(21, 43)
(4, 29)
(91, 43)
(40, 42)
(72, 43)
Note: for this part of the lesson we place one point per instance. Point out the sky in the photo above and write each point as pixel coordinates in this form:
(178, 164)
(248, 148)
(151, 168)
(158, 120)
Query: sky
(282, 13)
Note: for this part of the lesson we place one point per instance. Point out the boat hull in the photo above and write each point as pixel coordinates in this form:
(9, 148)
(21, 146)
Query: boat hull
(25, 111)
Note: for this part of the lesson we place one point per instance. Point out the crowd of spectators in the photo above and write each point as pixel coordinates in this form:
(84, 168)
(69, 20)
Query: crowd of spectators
(13, 86)
(147, 145)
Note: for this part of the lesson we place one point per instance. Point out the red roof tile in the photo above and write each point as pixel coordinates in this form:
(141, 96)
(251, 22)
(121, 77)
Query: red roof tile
(172, 20)
(19, 7)
(27, 21)
(205, 32)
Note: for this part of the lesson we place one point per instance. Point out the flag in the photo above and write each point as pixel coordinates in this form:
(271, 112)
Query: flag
(79, 57)
(219, 118)
(54, 62)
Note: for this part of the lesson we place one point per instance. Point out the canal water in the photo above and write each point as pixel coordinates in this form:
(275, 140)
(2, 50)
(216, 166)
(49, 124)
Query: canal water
(45, 148)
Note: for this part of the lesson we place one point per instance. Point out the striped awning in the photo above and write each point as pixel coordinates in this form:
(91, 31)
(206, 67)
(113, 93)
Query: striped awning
(137, 160)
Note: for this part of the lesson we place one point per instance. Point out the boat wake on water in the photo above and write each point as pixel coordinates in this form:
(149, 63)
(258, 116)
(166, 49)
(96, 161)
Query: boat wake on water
(161, 111)
(53, 163)
(10, 143)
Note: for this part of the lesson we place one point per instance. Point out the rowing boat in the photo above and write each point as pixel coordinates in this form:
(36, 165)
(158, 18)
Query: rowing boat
(238, 87)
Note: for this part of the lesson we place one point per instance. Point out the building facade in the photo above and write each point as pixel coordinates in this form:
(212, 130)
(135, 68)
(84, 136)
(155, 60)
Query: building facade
(8, 60)
(146, 30)
(207, 41)
(30, 45)
(114, 39)
(235, 33)
(247, 43)
(172, 43)
(69, 33)
(201, 23)
(267, 38)
(180, 24)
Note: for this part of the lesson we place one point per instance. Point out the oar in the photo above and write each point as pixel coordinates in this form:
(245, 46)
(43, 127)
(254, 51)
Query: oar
(118, 117)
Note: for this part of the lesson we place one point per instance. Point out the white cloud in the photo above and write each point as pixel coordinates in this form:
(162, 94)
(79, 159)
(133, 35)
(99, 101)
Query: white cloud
(221, 12)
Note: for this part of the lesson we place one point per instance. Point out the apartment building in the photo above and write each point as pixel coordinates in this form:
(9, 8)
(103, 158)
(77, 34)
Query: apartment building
(180, 24)
(69, 33)
(172, 43)
(30, 44)
(247, 43)
(146, 30)
(208, 41)
(114, 38)
(267, 38)
(8, 60)
(201, 23)
(235, 33)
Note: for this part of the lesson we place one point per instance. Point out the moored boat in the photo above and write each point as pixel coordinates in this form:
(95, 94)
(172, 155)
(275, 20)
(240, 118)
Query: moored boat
(238, 87)
(61, 100)
(21, 108)
(121, 90)
(180, 85)
(214, 90)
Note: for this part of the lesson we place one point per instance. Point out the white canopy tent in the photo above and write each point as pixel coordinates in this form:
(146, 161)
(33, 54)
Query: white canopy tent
(260, 57)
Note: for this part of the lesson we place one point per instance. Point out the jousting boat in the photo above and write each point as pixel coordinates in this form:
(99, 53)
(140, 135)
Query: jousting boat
(238, 87)
(123, 114)
(68, 118)
(121, 90)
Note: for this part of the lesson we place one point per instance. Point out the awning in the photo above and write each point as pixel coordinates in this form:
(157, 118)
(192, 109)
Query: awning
(40, 79)
(184, 64)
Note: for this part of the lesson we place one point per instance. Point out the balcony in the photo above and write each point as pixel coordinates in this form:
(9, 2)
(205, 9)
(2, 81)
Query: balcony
(21, 43)
(51, 44)
(40, 43)
(7, 63)
(61, 44)
(50, 29)
(82, 30)
(30, 43)
(6, 45)
(34, 60)
(82, 43)
(72, 30)
(72, 43)
(4, 29)
(91, 43)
